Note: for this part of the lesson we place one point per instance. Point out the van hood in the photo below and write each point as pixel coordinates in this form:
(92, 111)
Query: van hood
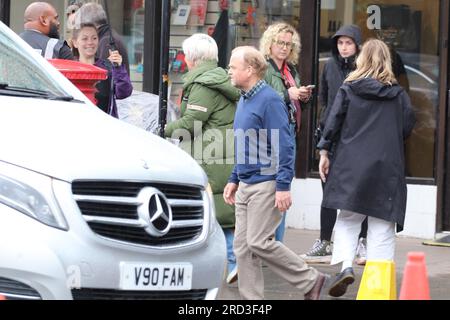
(77, 141)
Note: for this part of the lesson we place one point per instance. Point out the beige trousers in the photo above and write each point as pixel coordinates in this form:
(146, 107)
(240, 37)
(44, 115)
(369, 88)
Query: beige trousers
(256, 222)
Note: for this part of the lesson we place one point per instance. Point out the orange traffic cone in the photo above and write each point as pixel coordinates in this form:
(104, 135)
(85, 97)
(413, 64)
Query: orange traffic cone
(415, 280)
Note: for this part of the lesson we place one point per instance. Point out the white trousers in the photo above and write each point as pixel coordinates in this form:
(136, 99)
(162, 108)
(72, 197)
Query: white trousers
(380, 238)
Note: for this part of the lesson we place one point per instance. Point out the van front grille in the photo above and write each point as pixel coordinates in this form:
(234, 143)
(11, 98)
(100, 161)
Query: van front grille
(15, 290)
(121, 211)
(101, 294)
(139, 236)
(132, 189)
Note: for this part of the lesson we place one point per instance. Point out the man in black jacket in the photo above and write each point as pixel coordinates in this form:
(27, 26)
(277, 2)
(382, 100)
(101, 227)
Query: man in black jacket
(42, 31)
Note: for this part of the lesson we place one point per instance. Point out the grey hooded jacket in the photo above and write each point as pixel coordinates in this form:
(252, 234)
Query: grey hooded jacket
(337, 69)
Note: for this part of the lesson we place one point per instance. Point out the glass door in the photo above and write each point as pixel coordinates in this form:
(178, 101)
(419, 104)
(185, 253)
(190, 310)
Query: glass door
(128, 19)
(411, 29)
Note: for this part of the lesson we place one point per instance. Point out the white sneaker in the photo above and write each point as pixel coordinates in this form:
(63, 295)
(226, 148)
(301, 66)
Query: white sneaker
(232, 276)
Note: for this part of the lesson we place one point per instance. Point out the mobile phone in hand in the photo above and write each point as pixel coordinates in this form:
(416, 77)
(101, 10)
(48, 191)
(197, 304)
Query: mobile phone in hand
(311, 86)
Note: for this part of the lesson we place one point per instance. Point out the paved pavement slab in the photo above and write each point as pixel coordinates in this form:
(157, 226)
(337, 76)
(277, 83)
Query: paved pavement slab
(437, 261)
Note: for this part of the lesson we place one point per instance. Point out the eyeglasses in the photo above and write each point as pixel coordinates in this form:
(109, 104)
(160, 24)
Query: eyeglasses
(282, 44)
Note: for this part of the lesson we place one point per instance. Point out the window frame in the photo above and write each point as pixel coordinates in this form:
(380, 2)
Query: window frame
(310, 16)
(5, 8)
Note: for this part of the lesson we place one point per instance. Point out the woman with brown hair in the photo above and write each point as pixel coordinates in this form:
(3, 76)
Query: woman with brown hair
(369, 121)
(118, 84)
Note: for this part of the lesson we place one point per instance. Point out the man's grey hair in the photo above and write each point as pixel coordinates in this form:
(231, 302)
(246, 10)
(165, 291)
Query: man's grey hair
(200, 47)
(254, 58)
(91, 13)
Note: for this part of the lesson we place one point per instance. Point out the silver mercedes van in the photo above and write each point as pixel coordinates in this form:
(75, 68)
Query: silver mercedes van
(91, 207)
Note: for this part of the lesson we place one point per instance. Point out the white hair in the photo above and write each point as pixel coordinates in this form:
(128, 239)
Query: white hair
(91, 13)
(200, 47)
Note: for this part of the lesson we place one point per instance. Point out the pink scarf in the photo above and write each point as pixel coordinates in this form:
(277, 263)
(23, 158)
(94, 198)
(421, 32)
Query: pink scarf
(290, 82)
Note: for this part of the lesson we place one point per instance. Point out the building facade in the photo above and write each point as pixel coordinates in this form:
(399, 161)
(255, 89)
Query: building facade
(416, 29)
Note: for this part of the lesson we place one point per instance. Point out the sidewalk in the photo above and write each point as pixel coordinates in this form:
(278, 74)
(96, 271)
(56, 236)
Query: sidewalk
(437, 260)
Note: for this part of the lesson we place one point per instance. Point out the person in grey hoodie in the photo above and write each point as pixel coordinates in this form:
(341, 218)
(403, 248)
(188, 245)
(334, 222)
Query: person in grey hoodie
(345, 48)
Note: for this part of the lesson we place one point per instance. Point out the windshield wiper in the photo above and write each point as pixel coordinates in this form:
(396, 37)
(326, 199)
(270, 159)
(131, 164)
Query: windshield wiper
(5, 89)
(5, 86)
(61, 98)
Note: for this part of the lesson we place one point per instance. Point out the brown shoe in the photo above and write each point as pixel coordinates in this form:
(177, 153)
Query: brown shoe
(314, 293)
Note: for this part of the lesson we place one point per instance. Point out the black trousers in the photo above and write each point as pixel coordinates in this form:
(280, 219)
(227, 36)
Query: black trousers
(328, 220)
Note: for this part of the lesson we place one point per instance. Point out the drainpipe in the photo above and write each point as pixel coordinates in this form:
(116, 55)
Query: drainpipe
(164, 67)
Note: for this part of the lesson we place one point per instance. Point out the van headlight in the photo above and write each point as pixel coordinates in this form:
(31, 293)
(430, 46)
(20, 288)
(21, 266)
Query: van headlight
(212, 210)
(31, 194)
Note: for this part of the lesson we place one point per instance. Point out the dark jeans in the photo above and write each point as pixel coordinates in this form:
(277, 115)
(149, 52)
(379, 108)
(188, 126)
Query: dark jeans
(279, 233)
(328, 220)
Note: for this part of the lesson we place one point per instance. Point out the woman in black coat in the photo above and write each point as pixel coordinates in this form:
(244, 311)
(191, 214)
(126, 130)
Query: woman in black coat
(346, 45)
(369, 121)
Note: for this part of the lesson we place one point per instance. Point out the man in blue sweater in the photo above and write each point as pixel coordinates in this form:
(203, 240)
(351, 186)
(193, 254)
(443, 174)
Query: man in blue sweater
(260, 184)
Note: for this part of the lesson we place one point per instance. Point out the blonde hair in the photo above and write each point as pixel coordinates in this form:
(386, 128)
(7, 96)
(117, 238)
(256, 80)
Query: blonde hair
(374, 61)
(253, 58)
(270, 36)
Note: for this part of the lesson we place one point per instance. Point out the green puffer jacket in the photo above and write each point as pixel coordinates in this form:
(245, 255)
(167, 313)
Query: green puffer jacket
(276, 81)
(210, 99)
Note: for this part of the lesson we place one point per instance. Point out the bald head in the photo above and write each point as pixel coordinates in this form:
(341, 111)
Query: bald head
(42, 16)
(247, 67)
(36, 10)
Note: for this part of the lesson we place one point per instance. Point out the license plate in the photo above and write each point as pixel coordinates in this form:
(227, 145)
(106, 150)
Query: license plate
(149, 277)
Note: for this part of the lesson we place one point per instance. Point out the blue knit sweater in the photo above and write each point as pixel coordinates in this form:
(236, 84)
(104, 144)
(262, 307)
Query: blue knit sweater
(264, 147)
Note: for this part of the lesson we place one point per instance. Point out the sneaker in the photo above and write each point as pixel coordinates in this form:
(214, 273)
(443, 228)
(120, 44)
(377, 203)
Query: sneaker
(320, 252)
(232, 276)
(361, 252)
(339, 286)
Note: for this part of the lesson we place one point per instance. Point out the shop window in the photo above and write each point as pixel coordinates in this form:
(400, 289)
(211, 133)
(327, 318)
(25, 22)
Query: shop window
(18, 8)
(128, 19)
(411, 30)
(248, 19)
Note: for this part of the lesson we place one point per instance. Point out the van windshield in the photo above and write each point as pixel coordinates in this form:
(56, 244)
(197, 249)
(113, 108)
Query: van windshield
(18, 70)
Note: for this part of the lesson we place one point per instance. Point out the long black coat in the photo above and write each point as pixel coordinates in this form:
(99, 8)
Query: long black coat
(369, 122)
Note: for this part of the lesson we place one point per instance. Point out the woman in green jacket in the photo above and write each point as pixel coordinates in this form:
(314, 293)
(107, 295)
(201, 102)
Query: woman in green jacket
(281, 45)
(206, 126)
